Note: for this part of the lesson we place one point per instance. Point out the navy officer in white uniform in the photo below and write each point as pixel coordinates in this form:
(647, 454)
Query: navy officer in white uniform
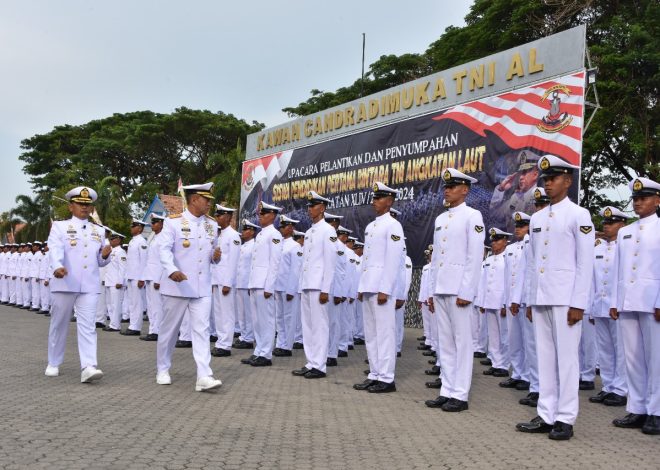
(76, 253)
(188, 246)
(318, 270)
(559, 270)
(384, 254)
(458, 241)
(635, 301)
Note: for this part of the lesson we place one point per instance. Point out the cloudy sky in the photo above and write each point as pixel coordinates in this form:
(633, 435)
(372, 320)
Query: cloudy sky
(71, 61)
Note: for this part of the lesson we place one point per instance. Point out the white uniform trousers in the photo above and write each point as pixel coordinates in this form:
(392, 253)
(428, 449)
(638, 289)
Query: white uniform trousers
(433, 329)
(557, 346)
(124, 304)
(641, 345)
(380, 337)
(346, 325)
(154, 307)
(263, 321)
(426, 324)
(27, 291)
(4, 290)
(63, 305)
(114, 300)
(399, 320)
(282, 320)
(45, 297)
(298, 336)
(36, 294)
(610, 356)
(101, 307)
(174, 309)
(587, 352)
(455, 346)
(334, 328)
(359, 321)
(135, 305)
(315, 327)
(18, 282)
(516, 329)
(530, 351)
(185, 330)
(224, 311)
(496, 345)
(11, 289)
(244, 313)
(479, 328)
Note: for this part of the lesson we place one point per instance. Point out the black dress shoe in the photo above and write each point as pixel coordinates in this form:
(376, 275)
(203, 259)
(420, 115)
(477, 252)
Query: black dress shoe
(100, 325)
(382, 387)
(424, 347)
(486, 362)
(500, 373)
(237, 334)
(351, 347)
(437, 403)
(489, 371)
(314, 374)
(652, 425)
(279, 352)
(298, 346)
(536, 426)
(509, 383)
(149, 337)
(631, 420)
(432, 361)
(300, 372)
(398, 354)
(107, 328)
(587, 385)
(331, 362)
(421, 338)
(213, 338)
(366, 371)
(341, 353)
(261, 362)
(532, 399)
(522, 385)
(455, 405)
(366, 361)
(248, 360)
(243, 345)
(479, 355)
(365, 385)
(428, 353)
(599, 398)
(219, 352)
(73, 320)
(125, 320)
(437, 383)
(561, 431)
(130, 332)
(47, 314)
(183, 344)
(435, 370)
(613, 399)
(358, 341)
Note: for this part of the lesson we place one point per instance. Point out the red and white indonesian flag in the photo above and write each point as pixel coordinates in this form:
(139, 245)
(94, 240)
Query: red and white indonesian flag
(548, 116)
(263, 171)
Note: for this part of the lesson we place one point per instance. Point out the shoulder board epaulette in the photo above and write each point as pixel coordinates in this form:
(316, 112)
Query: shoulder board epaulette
(174, 216)
(98, 225)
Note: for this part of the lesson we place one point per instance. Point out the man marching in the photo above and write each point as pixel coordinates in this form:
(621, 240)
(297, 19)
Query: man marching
(76, 252)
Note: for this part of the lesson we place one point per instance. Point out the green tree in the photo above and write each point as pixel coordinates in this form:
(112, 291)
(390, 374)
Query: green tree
(35, 212)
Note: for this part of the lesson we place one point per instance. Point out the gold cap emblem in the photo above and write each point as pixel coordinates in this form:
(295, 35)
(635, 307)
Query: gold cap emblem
(637, 185)
(376, 188)
(608, 212)
(545, 163)
(517, 217)
(537, 194)
(84, 193)
(492, 232)
(446, 175)
(310, 196)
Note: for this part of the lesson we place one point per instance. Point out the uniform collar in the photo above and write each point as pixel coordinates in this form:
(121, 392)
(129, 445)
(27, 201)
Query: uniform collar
(560, 204)
(188, 215)
(461, 206)
(648, 219)
(383, 216)
(79, 222)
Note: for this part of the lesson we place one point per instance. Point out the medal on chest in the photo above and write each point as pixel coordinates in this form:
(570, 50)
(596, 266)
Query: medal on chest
(185, 231)
(72, 232)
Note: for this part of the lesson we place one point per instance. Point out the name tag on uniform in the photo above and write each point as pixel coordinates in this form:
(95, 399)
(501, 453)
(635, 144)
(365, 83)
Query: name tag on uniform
(599, 257)
(537, 229)
(437, 228)
(626, 237)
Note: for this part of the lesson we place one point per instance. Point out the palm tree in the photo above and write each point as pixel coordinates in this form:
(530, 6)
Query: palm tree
(7, 224)
(36, 213)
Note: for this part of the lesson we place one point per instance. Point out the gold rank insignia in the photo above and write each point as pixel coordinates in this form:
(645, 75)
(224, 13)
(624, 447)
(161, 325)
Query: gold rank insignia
(396, 238)
(236, 242)
(537, 194)
(478, 228)
(517, 217)
(174, 216)
(586, 229)
(276, 240)
(608, 212)
(446, 175)
(333, 239)
(545, 163)
(637, 185)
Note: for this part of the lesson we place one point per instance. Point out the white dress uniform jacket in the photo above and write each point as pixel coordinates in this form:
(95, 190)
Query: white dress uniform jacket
(319, 258)
(225, 272)
(137, 258)
(186, 244)
(383, 255)
(265, 259)
(82, 241)
(289, 268)
(154, 269)
(244, 261)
